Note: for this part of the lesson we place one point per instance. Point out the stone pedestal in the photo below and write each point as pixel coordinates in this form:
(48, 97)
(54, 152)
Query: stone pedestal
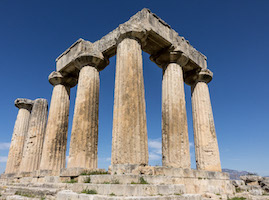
(129, 143)
(54, 150)
(19, 135)
(175, 140)
(84, 136)
(206, 145)
(35, 137)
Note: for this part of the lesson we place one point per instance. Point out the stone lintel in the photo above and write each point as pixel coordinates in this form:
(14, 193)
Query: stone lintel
(156, 36)
(80, 54)
(193, 76)
(24, 103)
(56, 78)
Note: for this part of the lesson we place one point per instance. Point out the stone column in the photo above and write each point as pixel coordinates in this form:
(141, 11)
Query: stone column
(84, 135)
(35, 137)
(175, 140)
(54, 150)
(19, 135)
(206, 145)
(129, 142)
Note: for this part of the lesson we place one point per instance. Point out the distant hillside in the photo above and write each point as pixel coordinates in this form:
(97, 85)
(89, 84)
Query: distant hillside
(234, 174)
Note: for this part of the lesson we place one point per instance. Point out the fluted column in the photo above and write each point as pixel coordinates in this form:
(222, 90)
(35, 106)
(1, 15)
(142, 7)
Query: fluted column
(84, 136)
(35, 137)
(19, 135)
(175, 140)
(129, 143)
(206, 145)
(54, 150)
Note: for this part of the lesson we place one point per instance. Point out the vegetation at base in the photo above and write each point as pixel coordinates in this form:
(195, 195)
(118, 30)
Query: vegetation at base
(88, 180)
(87, 191)
(24, 194)
(237, 198)
(42, 198)
(237, 189)
(177, 194)
(93, 173)
(112, 194)
(71, 181)
(141, 181)
(199, 178)
(115, 181)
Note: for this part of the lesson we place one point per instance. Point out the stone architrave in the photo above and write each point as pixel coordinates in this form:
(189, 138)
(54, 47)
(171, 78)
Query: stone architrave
(206, 145)
(35, 137)
(84, 135)
(19, 135)
(175, 139)
(54, 150)
(129, 142)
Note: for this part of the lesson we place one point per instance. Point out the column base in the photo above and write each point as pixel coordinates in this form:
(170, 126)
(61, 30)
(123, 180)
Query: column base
(128, 169)
(76, 171)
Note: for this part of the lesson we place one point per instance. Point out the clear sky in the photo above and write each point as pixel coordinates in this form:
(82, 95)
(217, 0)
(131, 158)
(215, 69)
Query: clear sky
(232, 34)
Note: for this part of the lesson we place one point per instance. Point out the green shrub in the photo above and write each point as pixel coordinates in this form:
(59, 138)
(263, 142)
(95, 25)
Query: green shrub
(237, 189)
(88, 180)
(93, 173)
(24, 194)
(141, 181)
(87, 191)
(237, 198)
(115, 181)
(72, 181)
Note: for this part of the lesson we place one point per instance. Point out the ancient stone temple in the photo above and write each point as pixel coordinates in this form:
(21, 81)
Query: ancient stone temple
(38, 147)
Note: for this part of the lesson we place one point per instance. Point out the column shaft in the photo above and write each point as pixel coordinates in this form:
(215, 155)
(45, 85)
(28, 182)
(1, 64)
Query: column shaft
(54, 150)
(206, 145)
(129, 143)
(84, 136)
(175, 140)
(17, 142)
(35, 137)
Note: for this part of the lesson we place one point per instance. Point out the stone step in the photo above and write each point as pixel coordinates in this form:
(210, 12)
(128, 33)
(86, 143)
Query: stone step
(30, 191)
(102, 189)
(128, 189)
(18, 197)
(129, 179)
(67, 195)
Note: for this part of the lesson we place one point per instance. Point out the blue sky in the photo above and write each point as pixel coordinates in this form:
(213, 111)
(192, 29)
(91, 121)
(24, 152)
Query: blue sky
(232, 34)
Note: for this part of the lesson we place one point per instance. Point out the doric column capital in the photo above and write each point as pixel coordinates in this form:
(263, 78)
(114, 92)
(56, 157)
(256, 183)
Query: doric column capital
(92, 58)
(24, 103)
(133, 32)
(194, 76)
(163, 58)
(56, 78)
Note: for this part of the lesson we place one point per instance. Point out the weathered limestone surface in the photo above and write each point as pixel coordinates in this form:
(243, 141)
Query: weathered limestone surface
(84, 136)
(129, 142)
(206, 145)
(19, 135)
(35, 137)
(54, 150)
(175, 140)
(159, 36)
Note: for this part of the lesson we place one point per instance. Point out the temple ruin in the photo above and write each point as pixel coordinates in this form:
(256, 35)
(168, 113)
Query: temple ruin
(38, 147)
